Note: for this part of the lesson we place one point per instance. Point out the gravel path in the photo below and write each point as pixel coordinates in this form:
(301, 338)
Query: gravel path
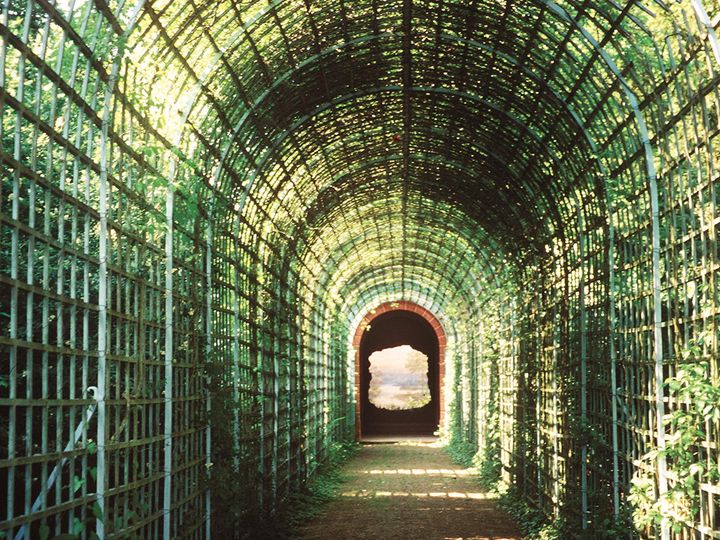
(410, 491)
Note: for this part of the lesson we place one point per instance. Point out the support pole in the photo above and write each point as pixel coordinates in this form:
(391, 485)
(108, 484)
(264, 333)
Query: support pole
(103, 196)
(583, 368)
(208, 358)
(168, 392)
(613, 365)
(556, 411)
(538, 392)
(657, 331)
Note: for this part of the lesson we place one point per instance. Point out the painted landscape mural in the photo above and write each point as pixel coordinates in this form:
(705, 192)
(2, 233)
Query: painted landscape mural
(399, 379)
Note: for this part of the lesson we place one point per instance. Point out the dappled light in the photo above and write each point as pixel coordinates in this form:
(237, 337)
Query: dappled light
(425, 472)
(429, 499)
(432, 494)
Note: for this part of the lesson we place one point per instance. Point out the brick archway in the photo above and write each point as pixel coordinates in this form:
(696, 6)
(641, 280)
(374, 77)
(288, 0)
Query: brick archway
(387, 307)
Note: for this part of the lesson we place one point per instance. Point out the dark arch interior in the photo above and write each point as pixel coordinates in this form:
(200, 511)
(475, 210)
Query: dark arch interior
(393, 329)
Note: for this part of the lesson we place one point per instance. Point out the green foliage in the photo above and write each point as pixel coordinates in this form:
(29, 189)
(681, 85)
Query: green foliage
(77, 483)
(302, 505)
(697, 401)
(228, 500)
(322, 488)
(536, 525)
(461, 452)
(486, 461)
(236, 513)
(17, 12)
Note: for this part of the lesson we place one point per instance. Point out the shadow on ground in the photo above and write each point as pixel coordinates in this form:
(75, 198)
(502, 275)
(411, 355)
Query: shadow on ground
(410, 490)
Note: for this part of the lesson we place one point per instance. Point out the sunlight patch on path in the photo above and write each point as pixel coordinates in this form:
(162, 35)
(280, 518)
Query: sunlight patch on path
(410, 490)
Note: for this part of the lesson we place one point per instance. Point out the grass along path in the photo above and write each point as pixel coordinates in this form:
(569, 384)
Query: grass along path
(409, 490)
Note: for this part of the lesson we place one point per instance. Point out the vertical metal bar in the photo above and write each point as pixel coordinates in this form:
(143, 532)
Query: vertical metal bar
(276, 402)
(103, 277)
(313, 393)
(236, 344)
(482, 416)
(556, 410)
(30, 298)
(657, 324)
(102, 338)
(583, 368)
(289, 321)
(659, 376)
(260, 396)
(208, 349)
(76, 174)
(45, 391)
(14, 274)
(14, 255)
(60, 357)
(613, 364)
(538, 393)
(515, 375)
(325, 389)
(168, 393)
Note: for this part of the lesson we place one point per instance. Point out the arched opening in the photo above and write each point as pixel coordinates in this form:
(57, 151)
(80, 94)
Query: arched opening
(399, 368)
(389, 406)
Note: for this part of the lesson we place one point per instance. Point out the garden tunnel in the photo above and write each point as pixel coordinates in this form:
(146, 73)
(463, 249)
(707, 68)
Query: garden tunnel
(202, 201)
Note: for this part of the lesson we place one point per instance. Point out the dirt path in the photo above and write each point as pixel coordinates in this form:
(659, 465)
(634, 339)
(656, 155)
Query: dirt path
(410, 491)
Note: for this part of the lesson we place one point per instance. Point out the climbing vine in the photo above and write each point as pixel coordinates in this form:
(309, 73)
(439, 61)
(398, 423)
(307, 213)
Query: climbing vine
(696, 398)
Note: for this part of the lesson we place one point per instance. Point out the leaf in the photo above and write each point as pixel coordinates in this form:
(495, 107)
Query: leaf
(78, 526)
(77, 483)
(65, 536)
(97, 512)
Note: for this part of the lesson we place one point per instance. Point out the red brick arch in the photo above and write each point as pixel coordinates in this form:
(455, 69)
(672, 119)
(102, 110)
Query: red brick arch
(402, 305)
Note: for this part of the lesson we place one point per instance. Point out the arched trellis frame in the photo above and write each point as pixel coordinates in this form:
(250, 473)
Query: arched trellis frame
(183, 181)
